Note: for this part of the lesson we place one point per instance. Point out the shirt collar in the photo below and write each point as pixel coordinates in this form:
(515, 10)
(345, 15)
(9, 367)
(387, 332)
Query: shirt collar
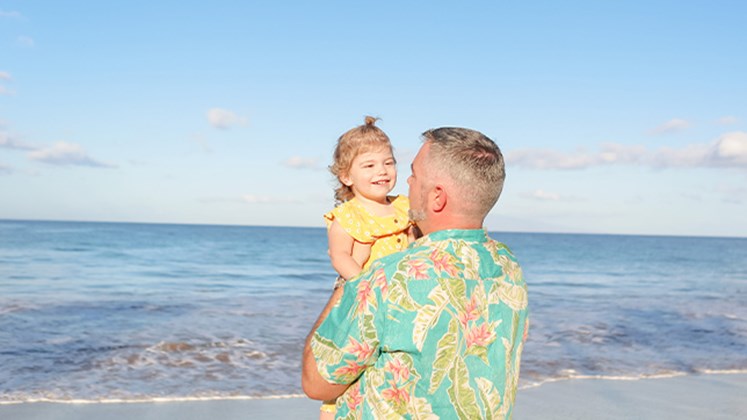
(471, 235)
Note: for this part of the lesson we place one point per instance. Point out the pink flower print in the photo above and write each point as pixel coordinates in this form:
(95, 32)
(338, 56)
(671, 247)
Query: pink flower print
(399, 371)
(398, 395)
(480, 335)
(362, 351)
(417, 269)
(365, 295)
(441, 261)
(380, 281)
(350, 371)
(353, 397)
(470, 313)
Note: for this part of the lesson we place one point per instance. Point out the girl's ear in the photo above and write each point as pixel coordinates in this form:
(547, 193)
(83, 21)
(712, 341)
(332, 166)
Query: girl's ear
(345, 179)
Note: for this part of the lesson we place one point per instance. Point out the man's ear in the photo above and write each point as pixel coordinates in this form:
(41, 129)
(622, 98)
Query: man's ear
(439, 198)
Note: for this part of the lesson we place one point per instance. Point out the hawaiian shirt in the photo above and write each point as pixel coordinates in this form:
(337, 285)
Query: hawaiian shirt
(435, 331)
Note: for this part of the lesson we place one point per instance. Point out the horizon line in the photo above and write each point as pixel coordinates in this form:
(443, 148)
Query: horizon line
(322, 227)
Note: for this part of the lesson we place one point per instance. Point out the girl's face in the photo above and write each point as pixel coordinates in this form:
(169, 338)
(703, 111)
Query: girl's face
(372, 175)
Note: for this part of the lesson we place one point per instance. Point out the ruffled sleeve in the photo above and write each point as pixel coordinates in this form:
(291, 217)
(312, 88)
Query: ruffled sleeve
(353, 219)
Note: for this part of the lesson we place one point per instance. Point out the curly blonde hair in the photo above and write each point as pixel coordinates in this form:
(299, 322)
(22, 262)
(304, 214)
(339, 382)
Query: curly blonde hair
(361, 139)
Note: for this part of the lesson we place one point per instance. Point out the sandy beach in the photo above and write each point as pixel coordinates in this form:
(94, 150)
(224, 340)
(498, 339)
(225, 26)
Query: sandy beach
(716, 397)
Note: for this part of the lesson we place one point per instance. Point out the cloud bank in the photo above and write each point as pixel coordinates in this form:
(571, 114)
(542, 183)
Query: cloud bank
(9, 14)
(671, 126)
(224, 119)
(298, 162)
(9, 142)
(728, 151)
(727, 120)
(66, 154)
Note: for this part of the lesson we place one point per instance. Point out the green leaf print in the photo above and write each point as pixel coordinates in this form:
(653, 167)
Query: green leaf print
(481, 298)
(428, 315)
(421, 409)
(457, 292)
(462, 396)
(398, 293)
(446, 353)
(479, 351)
(368, 328)
(510, 267)
(326, 350)
(375, 378)
(491, 399)
(470, 258)
(514, 296)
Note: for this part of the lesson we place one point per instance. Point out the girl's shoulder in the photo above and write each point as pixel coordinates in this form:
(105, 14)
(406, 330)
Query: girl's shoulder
(347, 214)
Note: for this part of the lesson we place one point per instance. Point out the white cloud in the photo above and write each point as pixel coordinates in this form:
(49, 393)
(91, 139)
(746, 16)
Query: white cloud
(63, 153)
(4, 75)
(542, 195)
(8, 14)
(298, 162)
(25, 41)
(5, 91)
(729, 150)
(9, 142)
(671, 126)
(545, 196)
(223, 118)
(264, 199)
(549, 159)
(610, 153)
(727, 120)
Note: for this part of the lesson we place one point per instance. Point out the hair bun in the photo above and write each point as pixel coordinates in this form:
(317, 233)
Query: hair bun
(370, 120)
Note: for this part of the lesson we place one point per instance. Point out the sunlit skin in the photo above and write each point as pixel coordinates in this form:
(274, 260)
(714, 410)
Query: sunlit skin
(372, 176)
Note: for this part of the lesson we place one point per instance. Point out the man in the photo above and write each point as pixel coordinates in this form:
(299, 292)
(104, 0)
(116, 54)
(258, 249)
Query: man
(435, 331)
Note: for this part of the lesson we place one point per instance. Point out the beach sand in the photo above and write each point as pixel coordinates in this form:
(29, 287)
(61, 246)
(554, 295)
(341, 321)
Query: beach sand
(716, 396)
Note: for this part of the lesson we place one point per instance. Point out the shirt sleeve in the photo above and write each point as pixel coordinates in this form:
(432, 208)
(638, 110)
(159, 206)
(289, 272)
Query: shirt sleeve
(348, 340)
(351, 220)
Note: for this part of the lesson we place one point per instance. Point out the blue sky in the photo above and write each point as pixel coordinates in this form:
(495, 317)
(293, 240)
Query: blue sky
(614, 117)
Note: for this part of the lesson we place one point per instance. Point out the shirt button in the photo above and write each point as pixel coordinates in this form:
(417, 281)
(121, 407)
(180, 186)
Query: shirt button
(399, 240)
(395, 221)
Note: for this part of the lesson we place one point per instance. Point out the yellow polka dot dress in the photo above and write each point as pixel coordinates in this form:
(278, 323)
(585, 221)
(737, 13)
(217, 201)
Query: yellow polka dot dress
(387, 234)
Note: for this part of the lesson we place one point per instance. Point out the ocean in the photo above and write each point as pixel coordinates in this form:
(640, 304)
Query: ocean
(151, 312)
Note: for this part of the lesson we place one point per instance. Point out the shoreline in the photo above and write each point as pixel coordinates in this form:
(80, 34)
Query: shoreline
(711, 395)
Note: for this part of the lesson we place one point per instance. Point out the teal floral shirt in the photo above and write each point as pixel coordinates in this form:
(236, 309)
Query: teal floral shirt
(435, 331)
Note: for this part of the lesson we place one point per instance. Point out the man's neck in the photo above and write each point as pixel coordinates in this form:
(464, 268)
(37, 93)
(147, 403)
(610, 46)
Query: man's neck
(428, 228)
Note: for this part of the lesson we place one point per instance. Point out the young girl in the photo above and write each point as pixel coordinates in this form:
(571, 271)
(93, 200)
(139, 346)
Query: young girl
(368, 223)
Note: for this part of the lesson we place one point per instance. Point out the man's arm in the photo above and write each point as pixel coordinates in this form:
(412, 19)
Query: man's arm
(314, 385)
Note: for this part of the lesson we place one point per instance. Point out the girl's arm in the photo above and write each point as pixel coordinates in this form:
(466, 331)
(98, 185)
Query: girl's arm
(347, 255)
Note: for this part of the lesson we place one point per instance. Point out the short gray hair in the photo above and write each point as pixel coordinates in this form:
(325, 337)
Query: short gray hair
(472, 161)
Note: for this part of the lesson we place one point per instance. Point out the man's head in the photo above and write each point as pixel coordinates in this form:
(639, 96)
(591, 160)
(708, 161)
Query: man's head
(457, 177)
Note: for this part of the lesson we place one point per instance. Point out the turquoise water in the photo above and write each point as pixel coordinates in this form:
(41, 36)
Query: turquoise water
(104, 311)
